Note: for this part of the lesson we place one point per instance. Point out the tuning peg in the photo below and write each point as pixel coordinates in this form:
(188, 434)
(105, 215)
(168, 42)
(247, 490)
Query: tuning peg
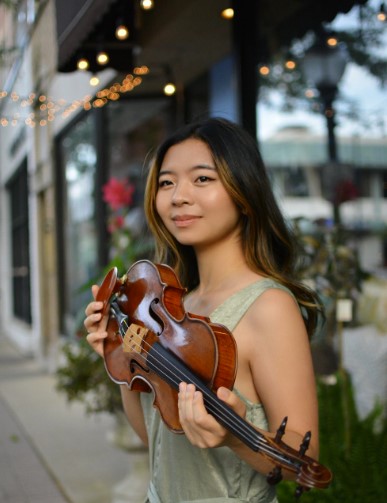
(299, 491)
(281, 430)
(305, 443)
(274, 476)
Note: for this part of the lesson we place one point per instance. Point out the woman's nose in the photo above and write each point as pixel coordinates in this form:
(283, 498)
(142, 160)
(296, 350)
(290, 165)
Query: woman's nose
(181, 195)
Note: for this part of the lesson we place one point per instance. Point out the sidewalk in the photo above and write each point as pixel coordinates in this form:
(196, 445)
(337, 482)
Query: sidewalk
(50, 451)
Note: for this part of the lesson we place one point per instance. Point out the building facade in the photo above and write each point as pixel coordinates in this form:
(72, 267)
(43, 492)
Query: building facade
(61, 140)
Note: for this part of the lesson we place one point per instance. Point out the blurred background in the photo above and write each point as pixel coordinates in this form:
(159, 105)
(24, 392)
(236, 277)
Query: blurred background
(88, 89)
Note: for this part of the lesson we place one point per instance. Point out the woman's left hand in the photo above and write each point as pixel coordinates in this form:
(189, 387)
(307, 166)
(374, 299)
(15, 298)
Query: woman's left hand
(200, 427)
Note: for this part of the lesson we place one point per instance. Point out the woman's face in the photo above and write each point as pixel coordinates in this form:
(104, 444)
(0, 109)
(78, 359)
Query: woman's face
(191, 199)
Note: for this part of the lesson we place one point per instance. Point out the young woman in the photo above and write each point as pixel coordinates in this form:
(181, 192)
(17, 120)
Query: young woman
(215, 220)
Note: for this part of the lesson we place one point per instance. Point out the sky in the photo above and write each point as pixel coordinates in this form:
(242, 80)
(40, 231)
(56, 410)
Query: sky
(356, 85)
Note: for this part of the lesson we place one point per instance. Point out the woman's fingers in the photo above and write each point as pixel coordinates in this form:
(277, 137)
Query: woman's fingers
(95, 323)
(231, 399)
(201, 428)
(95, 339)
(94, 290)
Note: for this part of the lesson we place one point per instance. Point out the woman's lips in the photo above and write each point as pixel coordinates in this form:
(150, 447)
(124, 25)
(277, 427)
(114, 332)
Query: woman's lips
(184, 220)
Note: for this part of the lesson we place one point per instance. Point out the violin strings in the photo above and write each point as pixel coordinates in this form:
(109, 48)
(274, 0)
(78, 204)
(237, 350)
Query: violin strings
(254, 437)
(251, 436)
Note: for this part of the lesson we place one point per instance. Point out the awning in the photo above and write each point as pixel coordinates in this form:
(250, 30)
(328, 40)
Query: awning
(83, 25)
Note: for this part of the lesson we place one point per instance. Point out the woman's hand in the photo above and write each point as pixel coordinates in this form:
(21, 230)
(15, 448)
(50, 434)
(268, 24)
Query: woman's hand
(201, 428)
(96, 323)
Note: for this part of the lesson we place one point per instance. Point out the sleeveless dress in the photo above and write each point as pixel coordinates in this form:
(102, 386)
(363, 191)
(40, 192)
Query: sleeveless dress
(183, 473)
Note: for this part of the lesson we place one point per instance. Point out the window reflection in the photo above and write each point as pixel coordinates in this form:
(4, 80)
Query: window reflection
(80, 233)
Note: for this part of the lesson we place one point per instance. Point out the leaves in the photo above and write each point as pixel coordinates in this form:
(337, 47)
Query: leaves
(354, 449)
(83, 378)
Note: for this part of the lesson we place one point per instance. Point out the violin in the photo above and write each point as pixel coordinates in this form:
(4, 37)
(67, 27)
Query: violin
(153, 344)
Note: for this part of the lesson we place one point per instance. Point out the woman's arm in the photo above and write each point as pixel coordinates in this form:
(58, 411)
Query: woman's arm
(274, 347)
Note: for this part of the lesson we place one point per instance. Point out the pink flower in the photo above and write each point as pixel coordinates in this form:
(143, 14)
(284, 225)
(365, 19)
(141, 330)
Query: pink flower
(117, 193)
(116, 223)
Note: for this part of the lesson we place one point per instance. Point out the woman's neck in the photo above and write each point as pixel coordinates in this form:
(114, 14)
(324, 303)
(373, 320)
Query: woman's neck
(222, 268)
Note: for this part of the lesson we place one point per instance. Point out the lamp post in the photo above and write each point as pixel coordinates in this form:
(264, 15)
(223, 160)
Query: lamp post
(323, 67)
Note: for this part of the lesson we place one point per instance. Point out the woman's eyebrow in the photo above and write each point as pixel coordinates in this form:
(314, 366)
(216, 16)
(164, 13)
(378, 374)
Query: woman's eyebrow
(193, 168)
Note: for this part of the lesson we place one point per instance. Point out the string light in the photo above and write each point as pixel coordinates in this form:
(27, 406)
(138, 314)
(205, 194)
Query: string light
(332, 41)
(169, 89)
(264, 70)
(227, 13)
(290, 64)
(102, 58)
(82, 64)
(46, 109)
(94, 80)
(122, 32)
(381, 15)
(147, 4)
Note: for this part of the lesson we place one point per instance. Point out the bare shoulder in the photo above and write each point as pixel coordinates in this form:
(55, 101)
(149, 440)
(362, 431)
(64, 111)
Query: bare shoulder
(273, 308)
(272, 335)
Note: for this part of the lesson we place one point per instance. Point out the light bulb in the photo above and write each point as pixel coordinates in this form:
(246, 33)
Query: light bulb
(264, 70)
(227, 13)
(82, 64)
(290, 64)
(381, 15)
(122, 32)
(102, 58)
(169, 89)
(147, 4)
(94, 80)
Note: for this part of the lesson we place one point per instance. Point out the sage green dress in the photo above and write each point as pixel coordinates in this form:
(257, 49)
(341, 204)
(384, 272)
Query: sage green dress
(182, 473)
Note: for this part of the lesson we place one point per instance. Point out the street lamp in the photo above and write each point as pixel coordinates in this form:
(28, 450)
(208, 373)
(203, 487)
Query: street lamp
(323, 66)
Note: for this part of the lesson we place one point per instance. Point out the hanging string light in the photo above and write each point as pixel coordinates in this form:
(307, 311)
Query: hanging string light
(122, 31)
(169, 89)
(227, 13)
(82, 64)
(46, 109)
(147, 4)
(290, 64)
(332, 41)
(264, 70)
(102, 58)
(381, 15)
(94, 80)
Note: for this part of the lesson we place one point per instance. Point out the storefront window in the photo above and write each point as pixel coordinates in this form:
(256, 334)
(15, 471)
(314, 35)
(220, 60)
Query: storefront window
(21, 286)
(79, 233)
(135, 129)
(111, 143)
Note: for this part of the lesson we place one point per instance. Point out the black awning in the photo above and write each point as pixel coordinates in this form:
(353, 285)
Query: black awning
(86, 26)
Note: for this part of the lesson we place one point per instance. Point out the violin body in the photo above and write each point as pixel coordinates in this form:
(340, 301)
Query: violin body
(153, 345)
(152, 298)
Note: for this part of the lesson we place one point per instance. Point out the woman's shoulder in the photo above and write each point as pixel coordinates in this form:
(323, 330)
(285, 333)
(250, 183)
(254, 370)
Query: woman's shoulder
(234, 308)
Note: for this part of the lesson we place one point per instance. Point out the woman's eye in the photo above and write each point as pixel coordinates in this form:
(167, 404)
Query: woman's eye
(203, 179)
(164, 183)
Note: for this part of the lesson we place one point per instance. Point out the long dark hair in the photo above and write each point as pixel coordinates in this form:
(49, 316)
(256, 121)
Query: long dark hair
(268, 244)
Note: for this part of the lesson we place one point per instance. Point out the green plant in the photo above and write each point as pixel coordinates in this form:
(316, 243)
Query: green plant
(354, 449)
(83, 378)
(329, 263)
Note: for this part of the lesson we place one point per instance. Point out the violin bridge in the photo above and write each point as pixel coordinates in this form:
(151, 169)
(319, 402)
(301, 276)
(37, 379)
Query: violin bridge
(133, 338)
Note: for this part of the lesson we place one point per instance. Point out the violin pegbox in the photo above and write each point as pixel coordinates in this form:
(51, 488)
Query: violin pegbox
(305, 443)
(109, 286)
(275, 476)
